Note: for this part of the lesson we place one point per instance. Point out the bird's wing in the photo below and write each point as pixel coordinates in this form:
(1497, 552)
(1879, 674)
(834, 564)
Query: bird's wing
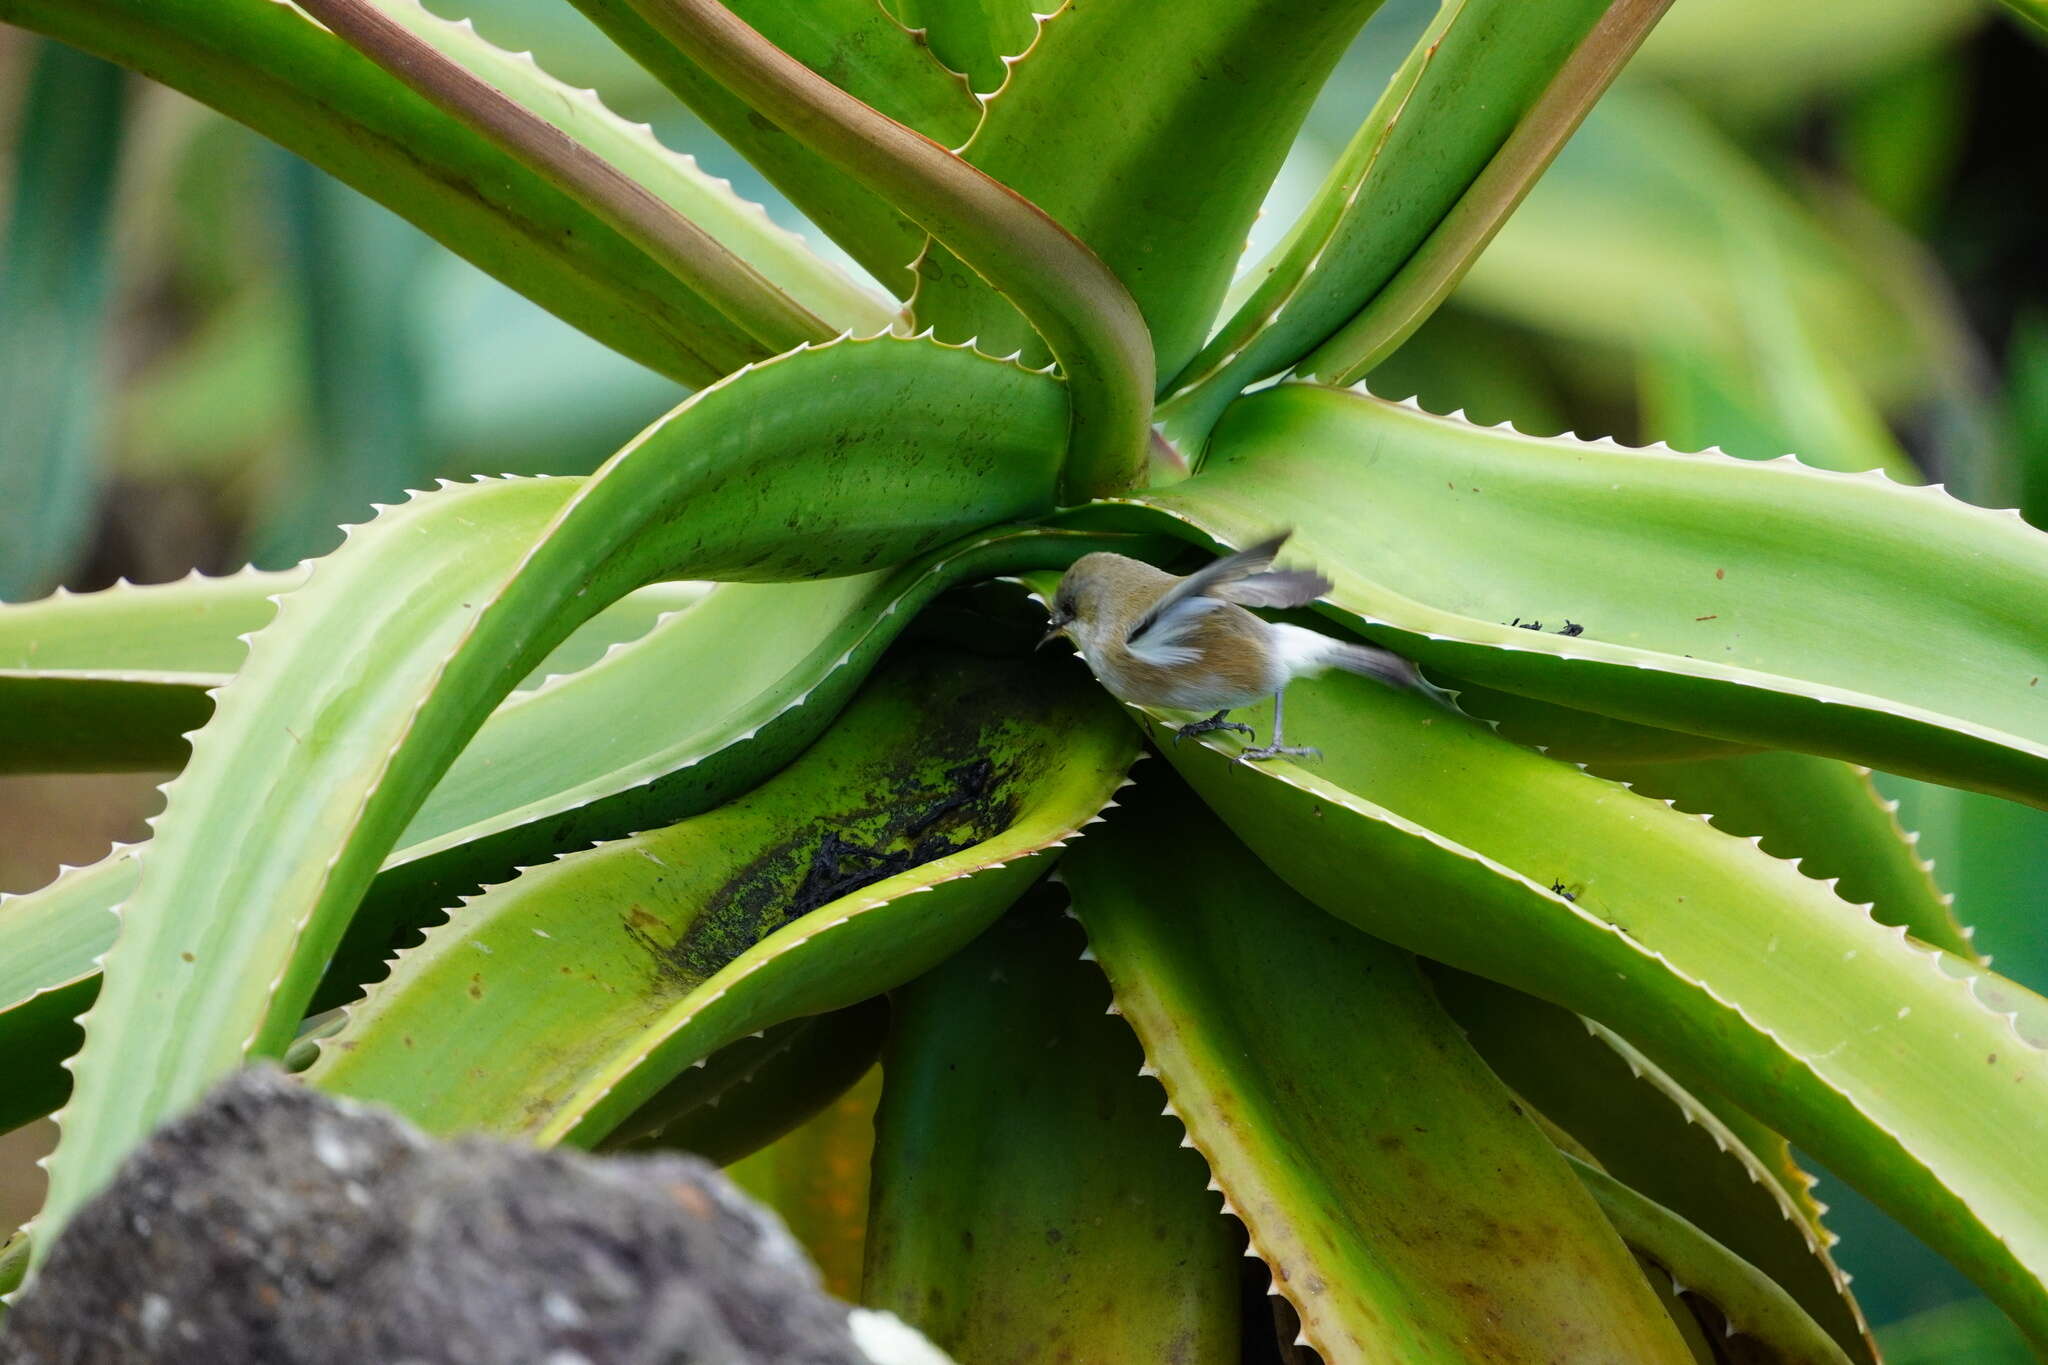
(1162, 638)
(1245, 578)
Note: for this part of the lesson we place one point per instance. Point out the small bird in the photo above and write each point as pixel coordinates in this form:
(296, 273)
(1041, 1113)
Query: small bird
(1154, 639)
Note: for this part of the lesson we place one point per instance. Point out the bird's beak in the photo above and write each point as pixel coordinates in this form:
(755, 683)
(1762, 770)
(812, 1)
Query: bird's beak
(1057, 628)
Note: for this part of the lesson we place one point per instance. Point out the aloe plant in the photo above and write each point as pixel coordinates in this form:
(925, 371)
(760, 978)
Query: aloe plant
(687, 791)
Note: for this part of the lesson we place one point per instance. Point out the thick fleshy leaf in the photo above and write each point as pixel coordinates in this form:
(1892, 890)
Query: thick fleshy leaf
(1426, 279)
(1090, 322)
(1725, 965)
(116, 679)
(1441, 119)
(569, 996)
(972, 37)
(1030, 1201)
(860, 47)
(1648, 1132)
(1823, 815)
(1099, 125)
(599, 753)
(270, 67)
(1767, 603)
(1748, 1304)
(816, 1179)
(54, 278)
(1386, 1177)
(752, 1092)
(823, 462)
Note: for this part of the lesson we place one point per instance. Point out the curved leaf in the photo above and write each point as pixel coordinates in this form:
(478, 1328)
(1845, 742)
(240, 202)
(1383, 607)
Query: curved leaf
(1030, 1201)
(1746, 1299)
(857, 46)
(597, 754)
(116, 679)
(1389, 1181)
(675, 178)
(1427, 278)
(270, 67)
(567, 997)
(1766, 603)
(1728, 967)
(973, 37)
(1442, 118)
(824, 462)
(816, 1180)
(1824, 816)
(1648, 1132)
(1062, 288)
(752, 1092)
(1096, 124)
(54, 280)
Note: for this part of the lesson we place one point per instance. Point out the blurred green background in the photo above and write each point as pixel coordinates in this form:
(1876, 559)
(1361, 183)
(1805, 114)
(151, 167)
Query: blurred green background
(1817, 227)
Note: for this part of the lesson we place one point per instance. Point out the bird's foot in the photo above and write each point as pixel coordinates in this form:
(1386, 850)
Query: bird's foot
(1267, 751)
(1215, 722)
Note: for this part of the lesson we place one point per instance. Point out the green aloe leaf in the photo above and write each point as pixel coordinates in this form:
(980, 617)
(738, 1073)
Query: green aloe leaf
(1822, 814)
(1090, 322)
(1030, 1201)
(860, 47)
(1429, 136)
(569, 996)
(49, 973)
(972, 37)
(1389, 1181)
(54, 278)
(1161, 176)
(1647, 1131)
(1427, 278)
(1899, 1067)
(594, 754)
(816, 1178)
(1747, 1302)
(115, 679)
(270, 67)
(1770, 604)
(824, 462)
(752, 1092)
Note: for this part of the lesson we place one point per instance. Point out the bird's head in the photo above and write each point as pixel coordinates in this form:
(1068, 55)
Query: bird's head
(1099, 590)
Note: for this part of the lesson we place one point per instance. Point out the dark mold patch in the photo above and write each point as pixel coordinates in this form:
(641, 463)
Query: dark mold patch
(951, 782)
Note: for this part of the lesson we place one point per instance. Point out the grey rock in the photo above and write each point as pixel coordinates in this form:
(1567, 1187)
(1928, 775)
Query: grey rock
(274, 1224)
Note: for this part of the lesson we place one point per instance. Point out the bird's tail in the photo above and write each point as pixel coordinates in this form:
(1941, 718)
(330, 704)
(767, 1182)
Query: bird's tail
(1319, 651)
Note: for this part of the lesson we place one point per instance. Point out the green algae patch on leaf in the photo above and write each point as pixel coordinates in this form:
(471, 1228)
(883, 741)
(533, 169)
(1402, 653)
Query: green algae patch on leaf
(1030, 1201)
(567, 997)
(1406, 1207)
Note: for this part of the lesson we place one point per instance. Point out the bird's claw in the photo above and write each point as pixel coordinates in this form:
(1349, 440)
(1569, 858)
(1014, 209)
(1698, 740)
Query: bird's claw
(1203, 727)
(1265, 752)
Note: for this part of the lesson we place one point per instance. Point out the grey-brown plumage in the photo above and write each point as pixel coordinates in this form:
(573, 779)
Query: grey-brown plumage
(1155, 639)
